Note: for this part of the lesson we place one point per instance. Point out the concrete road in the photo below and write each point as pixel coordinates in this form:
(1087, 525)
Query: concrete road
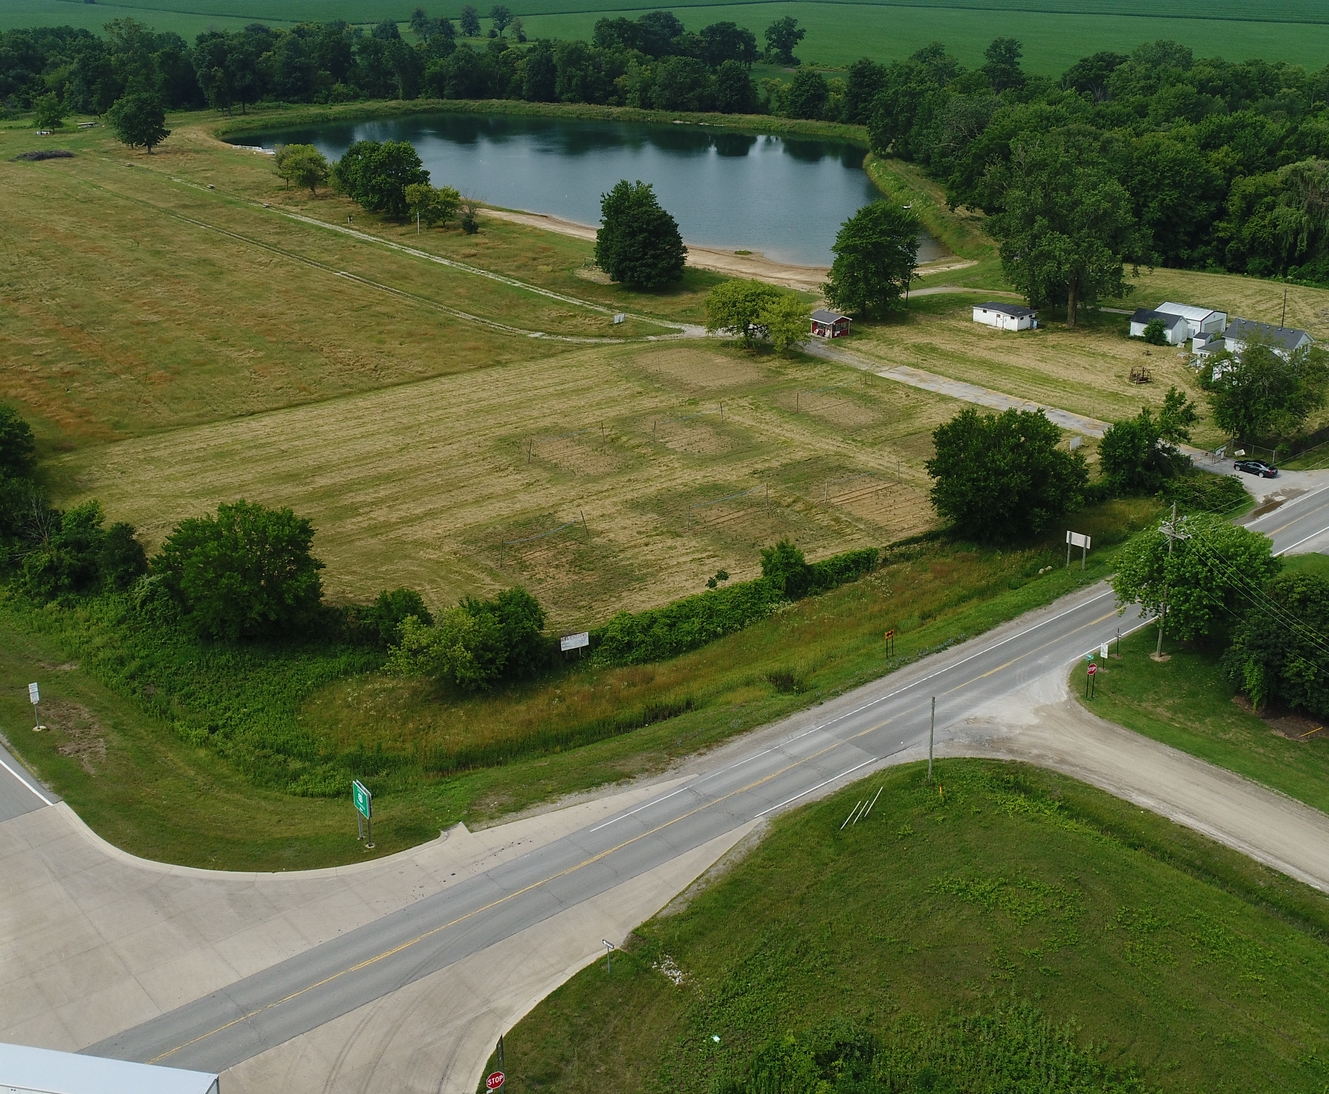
(810, 753)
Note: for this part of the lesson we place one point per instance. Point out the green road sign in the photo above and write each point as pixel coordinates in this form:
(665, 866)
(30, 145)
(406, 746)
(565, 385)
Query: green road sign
(364, 800)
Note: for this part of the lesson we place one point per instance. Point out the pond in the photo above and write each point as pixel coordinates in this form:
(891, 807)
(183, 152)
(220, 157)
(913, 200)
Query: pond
(782, 196)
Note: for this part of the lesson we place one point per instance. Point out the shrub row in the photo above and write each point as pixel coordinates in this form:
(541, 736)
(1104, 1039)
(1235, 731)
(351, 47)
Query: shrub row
(633, 638)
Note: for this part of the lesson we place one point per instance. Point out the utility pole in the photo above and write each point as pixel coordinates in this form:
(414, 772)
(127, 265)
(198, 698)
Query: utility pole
(1169, 529)
(932, 732)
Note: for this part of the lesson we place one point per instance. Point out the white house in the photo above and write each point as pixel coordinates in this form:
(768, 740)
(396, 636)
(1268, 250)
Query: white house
(1282, 340)
(1006, 316)
(1175, 328)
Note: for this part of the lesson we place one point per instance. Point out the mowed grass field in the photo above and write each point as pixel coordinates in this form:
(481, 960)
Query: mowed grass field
(1054, 34)
(224, 350)
(1168, 954)
(633, 449)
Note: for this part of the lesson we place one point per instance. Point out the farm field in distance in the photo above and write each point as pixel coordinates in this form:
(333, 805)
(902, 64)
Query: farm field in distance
(1054, 34)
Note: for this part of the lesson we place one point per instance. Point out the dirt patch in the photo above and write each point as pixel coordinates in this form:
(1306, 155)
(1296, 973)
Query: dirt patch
(1287, 723)
(700, 369)
(82, 730)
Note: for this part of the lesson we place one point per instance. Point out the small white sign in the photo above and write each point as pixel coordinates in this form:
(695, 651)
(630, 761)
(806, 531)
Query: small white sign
(1076, 442)
(1102, 649)
(1075, 539)
(621, 317)
(574, 641)
(34, 696)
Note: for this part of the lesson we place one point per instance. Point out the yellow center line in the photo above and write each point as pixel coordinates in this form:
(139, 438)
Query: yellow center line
(837, 742)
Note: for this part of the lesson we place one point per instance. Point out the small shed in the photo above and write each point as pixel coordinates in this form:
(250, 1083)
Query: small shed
(1175, 328)
(829, 324)
(1006, 316)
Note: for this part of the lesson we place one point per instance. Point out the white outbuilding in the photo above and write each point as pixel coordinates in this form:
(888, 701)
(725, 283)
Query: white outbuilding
(1175, 329)
(25, 1070)
(1006, 316)
(1200, 322)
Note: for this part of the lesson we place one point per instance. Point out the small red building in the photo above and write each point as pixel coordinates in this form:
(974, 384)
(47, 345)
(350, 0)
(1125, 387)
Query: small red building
(829, 324)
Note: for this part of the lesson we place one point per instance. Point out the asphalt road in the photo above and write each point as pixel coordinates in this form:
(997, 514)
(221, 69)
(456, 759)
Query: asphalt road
(777, 769)
(19, 792)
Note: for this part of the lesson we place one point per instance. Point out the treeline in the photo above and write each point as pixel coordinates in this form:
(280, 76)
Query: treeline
(1223, 165)
(652, 62)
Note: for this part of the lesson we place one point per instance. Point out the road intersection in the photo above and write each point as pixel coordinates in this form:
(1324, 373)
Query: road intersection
(623, 860)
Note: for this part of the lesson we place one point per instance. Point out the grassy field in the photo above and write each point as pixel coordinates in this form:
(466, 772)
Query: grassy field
(1054, 34)
(1165, 952)
(132, 744)
(1188, 703)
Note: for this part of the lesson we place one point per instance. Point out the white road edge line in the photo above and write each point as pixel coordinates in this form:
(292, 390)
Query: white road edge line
(1299, 542)
(809, 790)
(20, 778)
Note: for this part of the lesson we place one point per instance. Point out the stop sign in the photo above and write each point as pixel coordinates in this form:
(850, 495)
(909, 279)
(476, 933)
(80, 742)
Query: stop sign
(495, 1081)
(1092, 668)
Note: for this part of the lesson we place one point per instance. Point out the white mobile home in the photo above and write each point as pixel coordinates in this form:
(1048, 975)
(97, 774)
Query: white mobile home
(1282, 340)
(1006, 316)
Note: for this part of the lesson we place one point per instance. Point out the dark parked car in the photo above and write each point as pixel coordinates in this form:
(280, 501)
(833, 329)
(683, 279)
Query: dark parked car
(1256, 467)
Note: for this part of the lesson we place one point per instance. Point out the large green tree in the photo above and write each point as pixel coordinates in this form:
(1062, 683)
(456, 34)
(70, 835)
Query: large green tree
(1140, 454)
(1002, 477)
(245, 573)
(375, 175)
(1259, 393)
(782, 37)
(138, 120)
(876, 253)
(1281, 649)
(1205, 579)
(752, 310)
(638, 243)
(1065, 226)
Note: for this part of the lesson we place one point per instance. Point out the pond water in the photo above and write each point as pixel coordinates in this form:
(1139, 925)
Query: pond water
(782, 196)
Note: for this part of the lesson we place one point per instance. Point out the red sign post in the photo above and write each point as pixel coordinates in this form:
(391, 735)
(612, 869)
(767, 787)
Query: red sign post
(495, 1081)
(1089, 680)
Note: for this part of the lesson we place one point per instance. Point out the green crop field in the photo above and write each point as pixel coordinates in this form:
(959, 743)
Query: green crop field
(1054, 33)
(1007, 887)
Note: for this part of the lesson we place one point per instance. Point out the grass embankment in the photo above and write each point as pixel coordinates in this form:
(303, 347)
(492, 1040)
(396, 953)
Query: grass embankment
(1188, 703)
(1168, 952)
(137, 730)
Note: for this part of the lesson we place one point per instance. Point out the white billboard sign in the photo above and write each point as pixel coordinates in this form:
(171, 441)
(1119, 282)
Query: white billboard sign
(574, 641)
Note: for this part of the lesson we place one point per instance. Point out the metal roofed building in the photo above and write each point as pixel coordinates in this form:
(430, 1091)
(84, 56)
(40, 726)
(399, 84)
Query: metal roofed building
(1175, 328)
(1200, 322)
(25, 1070)
(829, 324)
(1005, 316)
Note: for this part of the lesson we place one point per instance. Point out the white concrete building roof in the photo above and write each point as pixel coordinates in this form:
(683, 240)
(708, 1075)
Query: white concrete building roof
(44, 1071)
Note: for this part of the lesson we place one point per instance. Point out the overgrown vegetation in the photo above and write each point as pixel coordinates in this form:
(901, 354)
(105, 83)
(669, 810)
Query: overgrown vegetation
(1003, 929)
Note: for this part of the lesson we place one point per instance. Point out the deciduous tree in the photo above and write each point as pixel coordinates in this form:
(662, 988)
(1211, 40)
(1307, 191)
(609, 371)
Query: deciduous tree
(1140, 454)
(302, 165)
(638, 243)
(752, 310)
(375, 174)
(1259, 393)
(245, 573)
(138, 120)
(876, 252)
(1281, 649)
(1066, 228)
(1002, 477)
(782, 37)
(1204, 579)
(432, 205)
(470, 21)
